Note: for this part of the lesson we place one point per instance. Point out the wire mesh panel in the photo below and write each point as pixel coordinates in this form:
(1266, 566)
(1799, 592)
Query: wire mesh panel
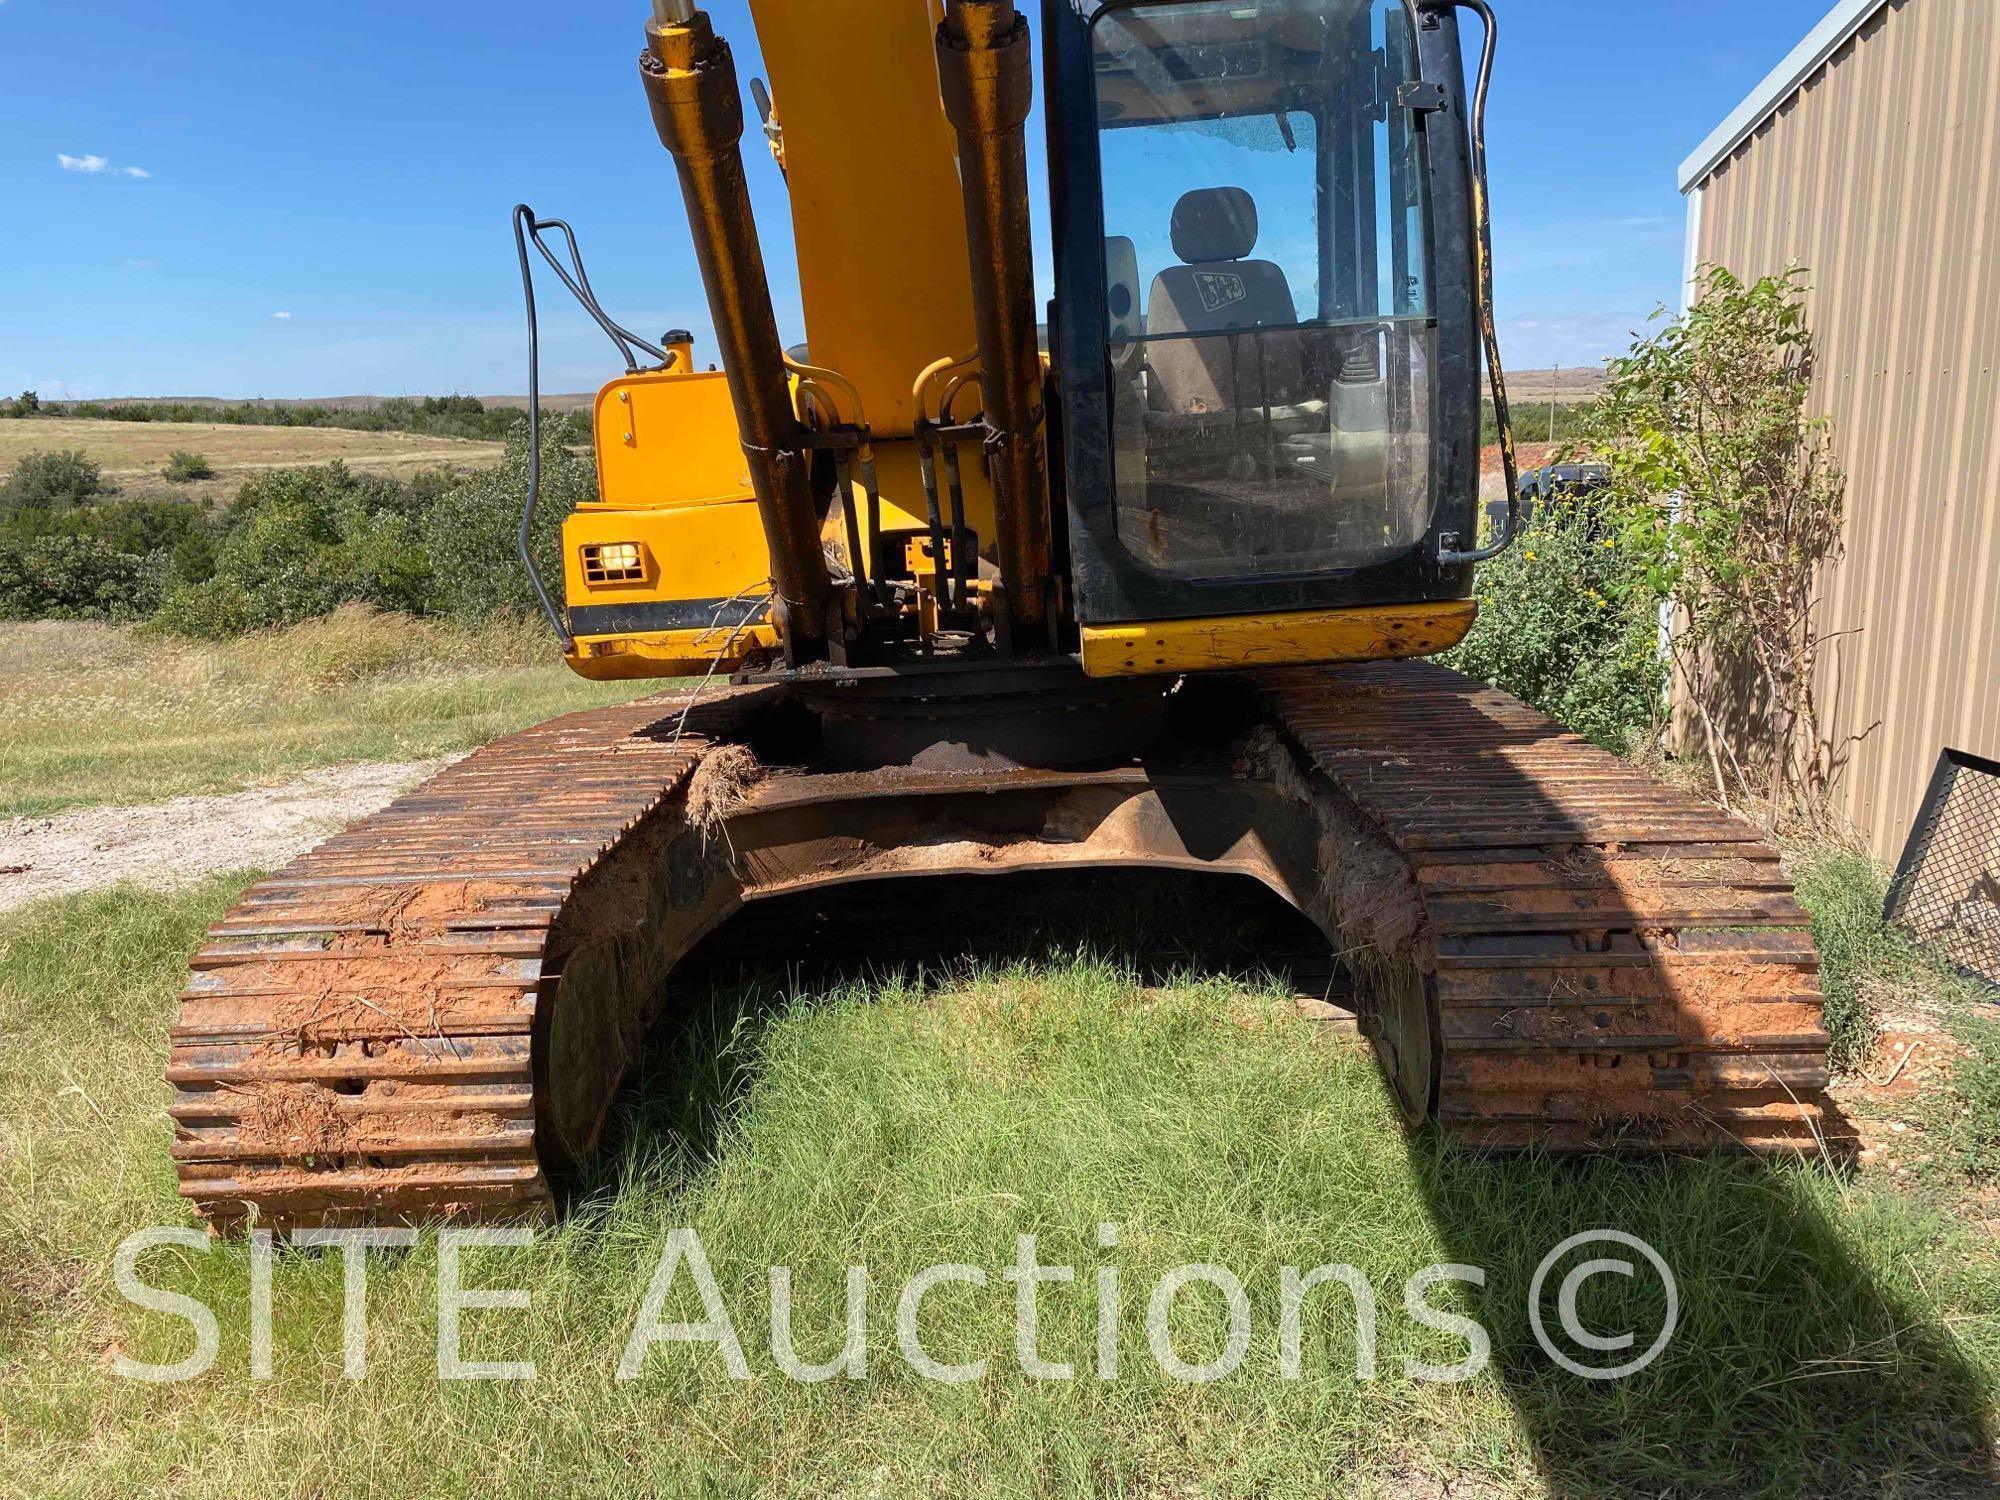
(1947, 887)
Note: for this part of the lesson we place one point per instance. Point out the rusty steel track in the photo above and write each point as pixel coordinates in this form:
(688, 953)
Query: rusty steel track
(1595, 960)
(423, 1016)
(357, 1039)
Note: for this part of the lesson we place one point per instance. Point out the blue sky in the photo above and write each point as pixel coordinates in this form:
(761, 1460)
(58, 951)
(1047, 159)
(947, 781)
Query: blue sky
(219, 198)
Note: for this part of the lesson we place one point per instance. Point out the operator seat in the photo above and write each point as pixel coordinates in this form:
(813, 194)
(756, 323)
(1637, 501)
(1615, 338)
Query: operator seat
(1216, 289)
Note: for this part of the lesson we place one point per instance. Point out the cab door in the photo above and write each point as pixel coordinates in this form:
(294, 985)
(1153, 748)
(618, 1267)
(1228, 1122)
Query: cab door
(1263, 329)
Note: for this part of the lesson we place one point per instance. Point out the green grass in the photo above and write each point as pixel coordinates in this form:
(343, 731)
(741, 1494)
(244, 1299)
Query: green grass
(93, 714)
(1842, 891)
(1966, 1120)
(1869, 968)
(1834, 1339)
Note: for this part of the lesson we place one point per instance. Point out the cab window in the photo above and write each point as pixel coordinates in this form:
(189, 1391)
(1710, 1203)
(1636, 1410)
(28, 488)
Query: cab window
(1269, 335)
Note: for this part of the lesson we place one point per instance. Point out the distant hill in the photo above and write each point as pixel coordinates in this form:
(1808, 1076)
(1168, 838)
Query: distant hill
(1565, 385)
(580, 402)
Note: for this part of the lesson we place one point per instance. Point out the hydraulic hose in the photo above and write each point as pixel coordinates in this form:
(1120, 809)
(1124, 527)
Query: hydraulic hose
(525, 224)
(529, 230)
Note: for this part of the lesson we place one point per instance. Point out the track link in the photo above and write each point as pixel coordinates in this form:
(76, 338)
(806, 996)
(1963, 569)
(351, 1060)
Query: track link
(358, 1039)
(1596, 960)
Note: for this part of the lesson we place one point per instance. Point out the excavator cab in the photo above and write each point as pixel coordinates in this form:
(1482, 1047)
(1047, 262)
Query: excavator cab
(1266, 335)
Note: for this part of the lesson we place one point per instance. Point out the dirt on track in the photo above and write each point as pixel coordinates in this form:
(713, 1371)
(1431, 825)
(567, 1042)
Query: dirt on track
(165, 845)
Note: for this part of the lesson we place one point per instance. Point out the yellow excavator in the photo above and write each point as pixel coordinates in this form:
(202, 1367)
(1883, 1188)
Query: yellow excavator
(972, 588)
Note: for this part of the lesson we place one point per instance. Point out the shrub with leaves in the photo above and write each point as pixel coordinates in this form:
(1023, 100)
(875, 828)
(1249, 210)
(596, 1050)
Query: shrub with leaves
(192, 559)
(1731, 496)
(184, 467)
(285, 554)
(1569, 622)
(51, 481)
(140, 527)
(210, 609)
(108, 561)
(77, 578)
(471, 527)
(297, 543)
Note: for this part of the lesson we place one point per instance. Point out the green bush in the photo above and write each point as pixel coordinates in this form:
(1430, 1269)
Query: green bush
(192, 559)
(327, 487)
(51, 481)
(144, 526)
(388, 563)
(286, 559)
(472, 526)
(296, 544)
(140, 527)
(99, 562)
(301, 542)
(210, 610)
(184, 467)
(1568, 623)
(77, 578)
(1732, 490)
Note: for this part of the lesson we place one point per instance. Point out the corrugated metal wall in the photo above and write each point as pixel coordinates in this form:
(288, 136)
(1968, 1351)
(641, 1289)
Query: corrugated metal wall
(1882, 174)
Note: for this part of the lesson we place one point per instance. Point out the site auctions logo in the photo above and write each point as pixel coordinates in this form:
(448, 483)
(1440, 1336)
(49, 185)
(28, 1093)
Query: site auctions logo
(1572, 1325)
(683, 1257)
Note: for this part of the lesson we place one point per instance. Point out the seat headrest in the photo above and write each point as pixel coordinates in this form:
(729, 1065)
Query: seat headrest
(1214, 224)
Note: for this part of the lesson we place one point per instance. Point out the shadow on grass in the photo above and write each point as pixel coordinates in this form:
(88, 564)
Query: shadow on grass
(1810, 1356)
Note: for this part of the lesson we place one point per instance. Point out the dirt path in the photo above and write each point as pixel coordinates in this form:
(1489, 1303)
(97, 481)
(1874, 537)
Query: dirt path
(169, 844)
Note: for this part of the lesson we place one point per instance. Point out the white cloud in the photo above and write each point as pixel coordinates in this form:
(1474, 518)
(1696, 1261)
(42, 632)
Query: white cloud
(282, 317)
(93, 163)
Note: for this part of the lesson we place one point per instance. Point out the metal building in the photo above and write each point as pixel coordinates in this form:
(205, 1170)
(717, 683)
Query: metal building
(1872, 156)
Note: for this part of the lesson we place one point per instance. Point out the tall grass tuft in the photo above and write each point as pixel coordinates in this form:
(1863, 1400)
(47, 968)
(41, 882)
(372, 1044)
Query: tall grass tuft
(1867, 965)
(1860, 955)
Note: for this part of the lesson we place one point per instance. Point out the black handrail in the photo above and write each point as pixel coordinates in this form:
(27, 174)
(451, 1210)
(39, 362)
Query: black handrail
(529, 229)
